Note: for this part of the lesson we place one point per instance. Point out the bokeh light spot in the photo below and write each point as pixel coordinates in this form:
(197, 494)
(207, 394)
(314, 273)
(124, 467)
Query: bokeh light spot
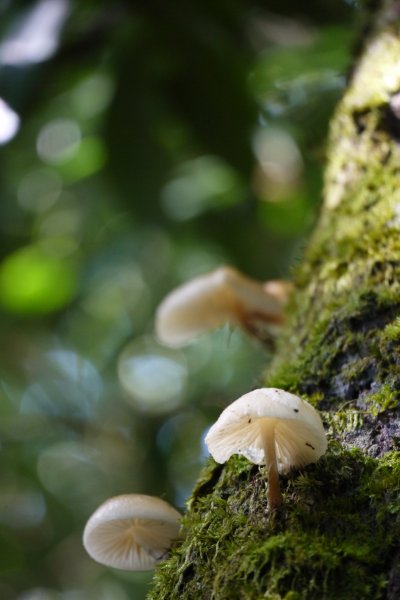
(115, 291)
(58, 141)
(33, 283)
(71, 388)
(22, 509)
(204, 183)
(153, 377)
(35, 36)
(9, 122)
(279, 164)
(88, 158)
(92, 96)
(39, 190)
(63, 467)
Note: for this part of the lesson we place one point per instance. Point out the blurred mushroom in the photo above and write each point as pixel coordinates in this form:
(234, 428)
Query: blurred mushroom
(131, 532)
(222, 296)
(272, 427)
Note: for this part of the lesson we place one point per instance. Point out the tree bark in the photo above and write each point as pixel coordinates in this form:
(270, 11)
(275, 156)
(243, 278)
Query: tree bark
(337, 535)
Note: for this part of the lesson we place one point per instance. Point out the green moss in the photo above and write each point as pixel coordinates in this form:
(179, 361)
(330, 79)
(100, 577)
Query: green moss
(345, 357)
(392, 331)
(331, 539)
(385, 399)
(343, 421)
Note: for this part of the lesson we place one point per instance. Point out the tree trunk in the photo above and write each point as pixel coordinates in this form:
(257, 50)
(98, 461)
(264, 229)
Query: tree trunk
(337, 535)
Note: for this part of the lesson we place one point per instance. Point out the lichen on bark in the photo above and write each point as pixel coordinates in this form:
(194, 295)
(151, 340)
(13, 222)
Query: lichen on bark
(337, 535)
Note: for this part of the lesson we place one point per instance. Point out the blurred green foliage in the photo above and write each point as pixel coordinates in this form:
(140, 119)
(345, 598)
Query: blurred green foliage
(142, 143)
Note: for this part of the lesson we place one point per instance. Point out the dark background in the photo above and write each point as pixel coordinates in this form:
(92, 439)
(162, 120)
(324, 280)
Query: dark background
(142, 143)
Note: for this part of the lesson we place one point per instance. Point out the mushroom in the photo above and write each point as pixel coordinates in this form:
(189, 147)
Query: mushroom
(131, 532)
(222, 296)
(272, 427)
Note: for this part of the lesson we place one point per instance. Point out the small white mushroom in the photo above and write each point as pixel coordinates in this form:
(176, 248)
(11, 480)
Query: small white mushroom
(216, 298)
(131, 532)
(272, 427)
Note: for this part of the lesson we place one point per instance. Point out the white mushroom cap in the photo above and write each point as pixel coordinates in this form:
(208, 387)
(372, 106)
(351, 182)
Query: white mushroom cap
(214, 299)
(293, 424)
(131, 532)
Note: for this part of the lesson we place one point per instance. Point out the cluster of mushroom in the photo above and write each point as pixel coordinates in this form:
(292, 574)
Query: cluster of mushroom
(268, 426)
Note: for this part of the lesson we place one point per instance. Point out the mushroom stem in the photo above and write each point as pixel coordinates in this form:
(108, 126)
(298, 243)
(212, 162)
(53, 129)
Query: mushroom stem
(274, 490)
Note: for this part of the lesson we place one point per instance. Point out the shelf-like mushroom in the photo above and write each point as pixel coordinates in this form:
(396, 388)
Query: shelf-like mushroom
(220, 297)
(272, 427)
(131, 532)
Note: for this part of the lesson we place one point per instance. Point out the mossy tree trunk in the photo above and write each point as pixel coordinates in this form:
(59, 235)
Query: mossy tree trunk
(337, 535)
